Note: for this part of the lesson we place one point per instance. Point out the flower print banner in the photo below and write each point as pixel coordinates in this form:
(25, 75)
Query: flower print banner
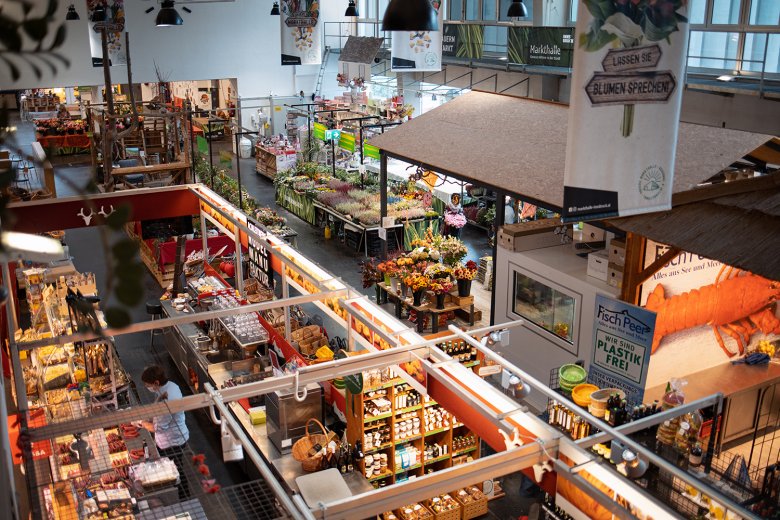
(115, 32)
(629, 62)
(301, 38)
(418, 50)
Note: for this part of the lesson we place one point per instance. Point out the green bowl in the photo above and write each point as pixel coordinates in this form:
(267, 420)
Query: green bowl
(571, 375)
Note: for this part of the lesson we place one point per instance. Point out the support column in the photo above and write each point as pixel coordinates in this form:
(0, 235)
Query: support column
(382, 196)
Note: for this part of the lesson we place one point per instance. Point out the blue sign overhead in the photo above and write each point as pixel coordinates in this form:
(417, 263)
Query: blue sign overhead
(622, 341)
(332, 135)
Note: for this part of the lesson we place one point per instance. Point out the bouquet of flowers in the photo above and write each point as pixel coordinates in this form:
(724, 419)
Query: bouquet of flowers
(452, 250)
(370, 274)
(440, 286)
(417, 281)
(269, 217)
(454, 220)
(388, 267)
(465, 272)
(438, 272)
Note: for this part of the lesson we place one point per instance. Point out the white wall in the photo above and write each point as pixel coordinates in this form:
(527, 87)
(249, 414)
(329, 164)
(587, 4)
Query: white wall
(220, 40)
(531, 348)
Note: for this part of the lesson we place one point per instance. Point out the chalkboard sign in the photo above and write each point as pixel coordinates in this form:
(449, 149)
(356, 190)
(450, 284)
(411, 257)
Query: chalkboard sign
(259, 258)
(166, 227)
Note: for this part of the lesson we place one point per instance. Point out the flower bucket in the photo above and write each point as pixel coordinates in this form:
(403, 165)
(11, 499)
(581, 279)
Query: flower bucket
(387, 279)
(464, 287)
(440, 300)
(417, 295)
(394, 284)
(403, 290)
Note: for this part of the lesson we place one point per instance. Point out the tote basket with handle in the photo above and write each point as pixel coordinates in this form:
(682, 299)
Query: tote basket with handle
(300, 450)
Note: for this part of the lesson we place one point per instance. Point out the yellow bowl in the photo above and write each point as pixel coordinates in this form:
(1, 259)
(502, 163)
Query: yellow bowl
(581, 394)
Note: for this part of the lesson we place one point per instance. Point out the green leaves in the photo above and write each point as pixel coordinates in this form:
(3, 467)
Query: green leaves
(128, 272)
(117, 318)
(595, 39)
(600, 9)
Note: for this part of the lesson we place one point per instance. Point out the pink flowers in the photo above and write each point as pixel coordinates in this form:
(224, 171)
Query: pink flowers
(455, 220)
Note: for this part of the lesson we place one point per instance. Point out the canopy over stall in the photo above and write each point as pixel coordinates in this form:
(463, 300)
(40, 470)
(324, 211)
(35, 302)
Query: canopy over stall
(518, 146)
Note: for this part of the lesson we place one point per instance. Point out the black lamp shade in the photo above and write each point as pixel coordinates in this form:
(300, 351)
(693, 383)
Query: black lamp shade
(351, 9)
(410, 15)
(517, 10)
(275, 9)
(99, 14)
(72, 14)
(168, 16)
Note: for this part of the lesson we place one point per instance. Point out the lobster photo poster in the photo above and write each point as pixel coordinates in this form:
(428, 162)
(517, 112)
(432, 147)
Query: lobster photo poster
(626, 93)
(622, 337)
(701, 306)
(418, 50)
(301, 38)
(115, 32)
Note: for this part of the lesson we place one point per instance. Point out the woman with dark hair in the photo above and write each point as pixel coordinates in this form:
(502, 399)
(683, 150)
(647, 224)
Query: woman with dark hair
(170, 430)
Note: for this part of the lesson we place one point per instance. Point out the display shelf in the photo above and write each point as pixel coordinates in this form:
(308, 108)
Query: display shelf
(464, 452)
(408, 439)
(410, 468)
(380, 476)
(440, 430)
(379, 448)
(378, 417)
(389, 384)
(437, 459)
(409, 409)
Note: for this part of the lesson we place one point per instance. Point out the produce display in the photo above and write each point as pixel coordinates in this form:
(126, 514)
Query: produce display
(60, 126)
(344, 194)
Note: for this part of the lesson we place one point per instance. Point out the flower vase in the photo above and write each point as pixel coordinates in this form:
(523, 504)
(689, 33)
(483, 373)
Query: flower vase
(440, 300)
(417, 295)
(394, 284)
(403, 290)
(387, 279)
(464, 288)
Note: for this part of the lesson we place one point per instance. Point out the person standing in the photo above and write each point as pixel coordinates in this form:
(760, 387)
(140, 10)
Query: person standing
(170, 430)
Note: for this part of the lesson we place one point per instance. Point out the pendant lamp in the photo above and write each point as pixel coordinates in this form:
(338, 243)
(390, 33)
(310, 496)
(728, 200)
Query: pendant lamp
(275, 9)
(351, 9)
(517, 9)
(72, 14)
(168, 16)
(410, 15)
(99, 14)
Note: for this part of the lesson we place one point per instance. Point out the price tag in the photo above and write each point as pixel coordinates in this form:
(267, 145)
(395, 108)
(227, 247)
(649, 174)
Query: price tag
(388, 222)
(383, 233)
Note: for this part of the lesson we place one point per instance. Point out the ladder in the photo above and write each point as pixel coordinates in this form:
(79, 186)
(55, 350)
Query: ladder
(321, 75)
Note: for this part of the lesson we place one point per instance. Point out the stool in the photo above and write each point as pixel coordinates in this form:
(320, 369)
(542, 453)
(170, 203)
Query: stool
(154, 309)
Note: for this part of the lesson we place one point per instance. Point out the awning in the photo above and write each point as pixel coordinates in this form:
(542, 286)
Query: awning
(518, 145)
(737, 223)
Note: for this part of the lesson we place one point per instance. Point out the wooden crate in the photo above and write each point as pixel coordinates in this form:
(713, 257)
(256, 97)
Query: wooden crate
(453, 514)
(473, 509)
(462, 301)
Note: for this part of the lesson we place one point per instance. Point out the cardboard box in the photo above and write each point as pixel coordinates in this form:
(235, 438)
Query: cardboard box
(617, 252)
(615, 275)
(598, 265)
(535, 234)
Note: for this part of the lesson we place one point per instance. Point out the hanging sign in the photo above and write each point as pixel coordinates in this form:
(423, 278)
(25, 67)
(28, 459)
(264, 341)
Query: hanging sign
(547, 46)
(114, 25)
(318, 131)
(370, 151)
(622, 340)
(418, 50)
(625, 108)
(259, 258)
(301, 38)
(332, 135)
(462, 40)
(347, 141)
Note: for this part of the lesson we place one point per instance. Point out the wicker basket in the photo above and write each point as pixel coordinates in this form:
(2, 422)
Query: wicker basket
(473, 509)
(452, 514)
(300, 450)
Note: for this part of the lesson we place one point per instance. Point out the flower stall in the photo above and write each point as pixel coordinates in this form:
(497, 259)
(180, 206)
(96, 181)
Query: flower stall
(65, 136)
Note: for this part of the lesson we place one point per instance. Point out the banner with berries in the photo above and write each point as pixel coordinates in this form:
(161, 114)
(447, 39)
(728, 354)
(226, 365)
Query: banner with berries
(301, 36)
(624, 116)
(418, 50)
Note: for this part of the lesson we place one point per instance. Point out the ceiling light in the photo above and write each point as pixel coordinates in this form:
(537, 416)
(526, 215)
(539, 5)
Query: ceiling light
(275, 9)
(34, 248)
(518, 388)
(168, 16)
(351, 9)
(635, 467)
(410, 15)
(725, 77)
(99, 14)
(72, 14)
(149, 10)
(517, 9)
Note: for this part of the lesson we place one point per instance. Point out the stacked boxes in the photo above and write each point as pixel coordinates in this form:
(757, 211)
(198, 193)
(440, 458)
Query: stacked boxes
(617, 262)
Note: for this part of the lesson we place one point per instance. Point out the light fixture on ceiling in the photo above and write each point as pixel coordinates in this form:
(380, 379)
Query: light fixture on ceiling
(518, 388)
(410, 15)
(351, 9)
(25, 246)
(725, 78)
(149, 10)
(517, 9)
(168, 16)
(635, 467)
(72, 14)
(275, 9)
(99, 14)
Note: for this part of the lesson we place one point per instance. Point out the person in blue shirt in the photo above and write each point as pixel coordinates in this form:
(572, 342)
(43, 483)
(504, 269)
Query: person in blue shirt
(170, 430)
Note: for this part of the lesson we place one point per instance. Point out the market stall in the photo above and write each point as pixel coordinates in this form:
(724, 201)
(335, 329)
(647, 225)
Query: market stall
(272, 156)
(376, 342)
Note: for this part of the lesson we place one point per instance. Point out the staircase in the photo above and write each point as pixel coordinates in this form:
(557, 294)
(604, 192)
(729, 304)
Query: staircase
(321, 74)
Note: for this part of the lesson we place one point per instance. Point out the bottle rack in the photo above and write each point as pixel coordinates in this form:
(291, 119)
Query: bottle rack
(397, 438)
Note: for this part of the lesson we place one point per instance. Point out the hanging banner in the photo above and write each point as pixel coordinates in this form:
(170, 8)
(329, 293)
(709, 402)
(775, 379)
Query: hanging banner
(370, 151)
(463, 40)
(347, 141)
(115, 32)
(318, 131)
(622, 340)
(625, 108)
(418, 50)
(547, 46)
(260, 266)
(301, 38)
